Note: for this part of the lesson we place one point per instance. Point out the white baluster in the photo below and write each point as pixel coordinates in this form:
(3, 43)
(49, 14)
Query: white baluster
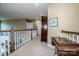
(4, 46)
(19, 38)
(63, 35)
(73, 38)
(15, 39)
(25, 36)
(70, 38)
(77, 39)
(67, 36)
(8, 43)
(22, 37)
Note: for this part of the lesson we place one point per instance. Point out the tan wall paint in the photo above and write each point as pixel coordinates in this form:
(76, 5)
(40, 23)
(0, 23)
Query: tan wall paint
(68, 18)
(16, 24)
(53, 11)
(38, 23)
(20, 24)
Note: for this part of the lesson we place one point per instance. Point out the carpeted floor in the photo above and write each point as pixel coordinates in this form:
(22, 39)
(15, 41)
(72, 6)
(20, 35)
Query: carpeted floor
(34, 48)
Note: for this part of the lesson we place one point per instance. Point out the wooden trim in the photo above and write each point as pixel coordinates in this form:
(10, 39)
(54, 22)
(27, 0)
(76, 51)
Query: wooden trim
(5, 30)
(70, 32)
(16, 30)
(25, 30)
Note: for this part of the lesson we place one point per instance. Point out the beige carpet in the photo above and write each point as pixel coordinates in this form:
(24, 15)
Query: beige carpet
(34, 48)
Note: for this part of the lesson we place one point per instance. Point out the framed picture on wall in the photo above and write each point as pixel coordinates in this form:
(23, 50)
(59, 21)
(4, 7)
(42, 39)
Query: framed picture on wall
(53, 22)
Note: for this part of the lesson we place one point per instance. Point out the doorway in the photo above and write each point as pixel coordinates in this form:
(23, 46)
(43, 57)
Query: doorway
(44, 28)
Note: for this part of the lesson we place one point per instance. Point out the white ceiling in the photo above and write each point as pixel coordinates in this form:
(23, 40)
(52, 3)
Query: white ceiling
(23, 10)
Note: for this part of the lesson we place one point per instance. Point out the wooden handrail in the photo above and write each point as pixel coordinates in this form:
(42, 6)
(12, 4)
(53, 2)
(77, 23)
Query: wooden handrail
(5, 30)
(25, 30)
(17, 30)
(70, 32)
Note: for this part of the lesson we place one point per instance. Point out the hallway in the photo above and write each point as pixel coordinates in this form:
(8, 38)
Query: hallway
(34, 48)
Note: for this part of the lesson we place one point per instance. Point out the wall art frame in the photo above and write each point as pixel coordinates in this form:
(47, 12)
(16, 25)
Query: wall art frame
(53, 22)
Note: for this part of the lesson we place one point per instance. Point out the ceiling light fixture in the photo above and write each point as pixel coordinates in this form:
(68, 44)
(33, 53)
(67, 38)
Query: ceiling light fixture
(36, 4)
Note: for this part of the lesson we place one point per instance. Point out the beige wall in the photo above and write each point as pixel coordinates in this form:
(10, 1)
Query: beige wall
(16, 24)
(20, 24)
(53, 11)
(68, 18)
(38, 23)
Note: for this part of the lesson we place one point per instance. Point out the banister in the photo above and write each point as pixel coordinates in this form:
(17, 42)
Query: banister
(5, 30)
(17, 38)
(70, 32)
(17, 30)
